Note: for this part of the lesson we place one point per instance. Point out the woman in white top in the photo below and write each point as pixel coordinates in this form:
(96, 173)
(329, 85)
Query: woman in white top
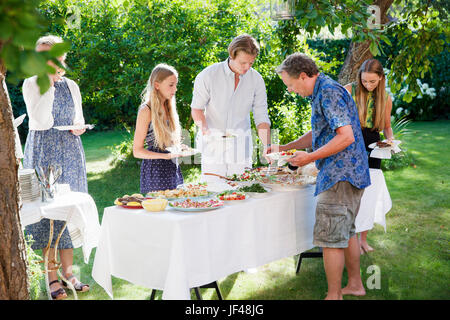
(45, 145)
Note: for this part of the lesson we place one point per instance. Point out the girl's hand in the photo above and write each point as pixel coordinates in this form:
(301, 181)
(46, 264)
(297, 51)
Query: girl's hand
(170, 156)
(78, 132)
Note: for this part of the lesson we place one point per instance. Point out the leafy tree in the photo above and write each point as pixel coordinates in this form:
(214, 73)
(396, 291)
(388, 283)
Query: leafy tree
(20, 26)
(419, 27)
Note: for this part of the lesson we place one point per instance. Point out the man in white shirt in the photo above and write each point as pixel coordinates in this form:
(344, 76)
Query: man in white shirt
(224, 95)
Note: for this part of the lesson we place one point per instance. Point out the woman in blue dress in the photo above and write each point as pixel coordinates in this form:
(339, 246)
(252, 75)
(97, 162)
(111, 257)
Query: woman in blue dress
(158, 126)
(45, 145)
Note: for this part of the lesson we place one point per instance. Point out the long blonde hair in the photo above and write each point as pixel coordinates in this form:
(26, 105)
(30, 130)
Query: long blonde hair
(165, 134)
(379, 95)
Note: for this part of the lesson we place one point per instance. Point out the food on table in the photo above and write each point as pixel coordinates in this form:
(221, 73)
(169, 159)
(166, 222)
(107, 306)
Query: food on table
(256, 187)
(133, 200)
(194, 186)
(134, 204)
(155, 205)
(189, 203)
(231, 196)
(179, 193)
(248, 175)
(289, 180)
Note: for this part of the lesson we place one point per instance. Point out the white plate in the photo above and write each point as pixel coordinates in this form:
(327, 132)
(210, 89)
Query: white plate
(75, 127)
(184, 153)
(374, 145)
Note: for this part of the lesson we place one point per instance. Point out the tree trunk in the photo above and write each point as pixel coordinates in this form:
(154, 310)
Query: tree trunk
(13, 264)
(359, 51)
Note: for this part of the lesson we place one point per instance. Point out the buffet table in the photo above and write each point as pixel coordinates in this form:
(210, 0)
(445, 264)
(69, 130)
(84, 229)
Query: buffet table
(174, 251)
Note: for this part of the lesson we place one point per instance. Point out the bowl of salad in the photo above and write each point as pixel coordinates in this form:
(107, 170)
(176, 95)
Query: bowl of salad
(256, 190)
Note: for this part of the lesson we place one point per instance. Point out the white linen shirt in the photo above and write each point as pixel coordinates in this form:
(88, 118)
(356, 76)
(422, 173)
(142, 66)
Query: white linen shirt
(39, 107)
(226, 108)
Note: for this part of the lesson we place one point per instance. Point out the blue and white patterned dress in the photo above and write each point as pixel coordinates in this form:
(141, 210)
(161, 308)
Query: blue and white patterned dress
(158, 174)
(52, 146)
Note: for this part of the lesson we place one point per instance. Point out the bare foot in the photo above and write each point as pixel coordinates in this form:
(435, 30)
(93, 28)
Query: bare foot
(357, 291)
(365, 247)
(333, 297)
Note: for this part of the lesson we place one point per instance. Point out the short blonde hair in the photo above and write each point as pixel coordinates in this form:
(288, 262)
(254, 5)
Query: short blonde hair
(245, 43)
(50, 40)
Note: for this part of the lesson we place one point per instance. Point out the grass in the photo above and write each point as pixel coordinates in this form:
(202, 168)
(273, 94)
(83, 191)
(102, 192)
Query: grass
(413, 255)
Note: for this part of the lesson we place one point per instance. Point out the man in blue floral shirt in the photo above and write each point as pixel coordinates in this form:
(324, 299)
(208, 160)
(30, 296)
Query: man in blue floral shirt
(340, 155)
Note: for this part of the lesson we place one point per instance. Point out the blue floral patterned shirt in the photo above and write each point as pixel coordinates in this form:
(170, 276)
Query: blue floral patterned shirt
(333, 107)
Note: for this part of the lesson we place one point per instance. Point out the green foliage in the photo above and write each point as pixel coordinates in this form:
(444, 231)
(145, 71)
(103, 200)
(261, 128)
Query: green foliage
(404, 158)
(20, 27)
(116, 45)
(420, 33)
(399, 160)
(34, 271)
(123, 152)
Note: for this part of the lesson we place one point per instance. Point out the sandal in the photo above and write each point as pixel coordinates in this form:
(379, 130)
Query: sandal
(59, 294)
(79, 286)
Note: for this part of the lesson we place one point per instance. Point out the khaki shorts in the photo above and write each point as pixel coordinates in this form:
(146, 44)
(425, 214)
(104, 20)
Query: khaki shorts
(336, 212)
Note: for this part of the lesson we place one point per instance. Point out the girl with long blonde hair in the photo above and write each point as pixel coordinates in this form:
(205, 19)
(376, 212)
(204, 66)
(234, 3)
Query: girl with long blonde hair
(374, 107)
(158, 126)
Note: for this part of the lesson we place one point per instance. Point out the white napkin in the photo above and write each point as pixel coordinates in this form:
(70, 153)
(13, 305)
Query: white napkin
(17, 122)
(384, 153)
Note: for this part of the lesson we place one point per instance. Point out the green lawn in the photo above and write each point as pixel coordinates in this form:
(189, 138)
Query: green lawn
(413, 255)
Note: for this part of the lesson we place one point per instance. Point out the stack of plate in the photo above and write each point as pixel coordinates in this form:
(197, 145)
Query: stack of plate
(29, 185)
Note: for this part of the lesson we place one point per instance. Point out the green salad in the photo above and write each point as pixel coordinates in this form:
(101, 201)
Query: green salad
(256, 187)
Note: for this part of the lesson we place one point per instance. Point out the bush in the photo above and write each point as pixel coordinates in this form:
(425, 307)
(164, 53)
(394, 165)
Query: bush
(122, 153)
(34, 271)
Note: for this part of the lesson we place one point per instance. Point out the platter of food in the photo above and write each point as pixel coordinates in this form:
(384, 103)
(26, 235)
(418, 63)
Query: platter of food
(191, 205)
(180, 193)
(288, 182)
(131, 202)
(232, 197)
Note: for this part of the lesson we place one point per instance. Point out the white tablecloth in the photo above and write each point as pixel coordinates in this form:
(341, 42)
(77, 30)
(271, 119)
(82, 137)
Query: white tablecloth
(174, 251)
(77, 208)
(375, 203)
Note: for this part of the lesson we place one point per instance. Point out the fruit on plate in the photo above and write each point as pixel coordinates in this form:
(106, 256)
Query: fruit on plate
(231, 196)
(155, 205)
